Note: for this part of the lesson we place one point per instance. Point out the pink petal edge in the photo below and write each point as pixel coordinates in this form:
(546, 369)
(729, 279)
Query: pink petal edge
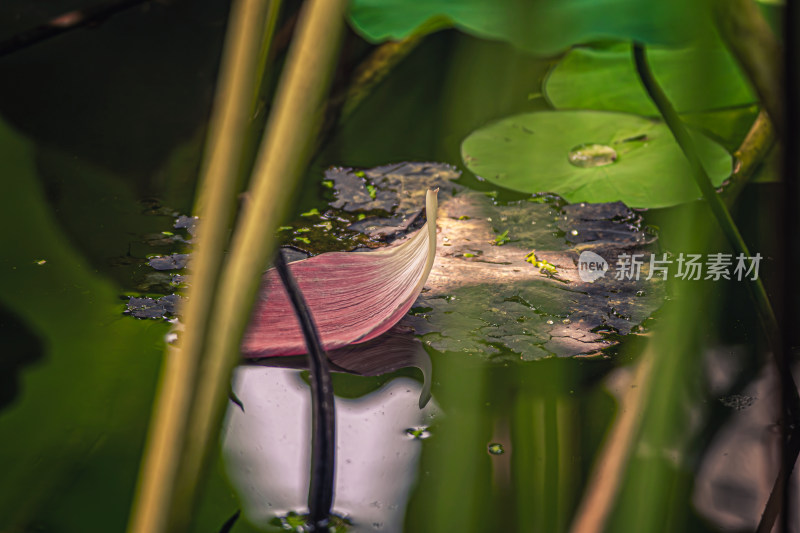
(353, 297)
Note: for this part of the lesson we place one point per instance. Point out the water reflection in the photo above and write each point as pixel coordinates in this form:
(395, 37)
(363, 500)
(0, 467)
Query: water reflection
(267, 448)
(738, 472)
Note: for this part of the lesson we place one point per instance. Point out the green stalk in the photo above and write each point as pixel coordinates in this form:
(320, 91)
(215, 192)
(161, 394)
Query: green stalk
(282, 157)
(528, 482)
(566, 421)
(748, 35)
(263, 54)
(609, 470)
(750, 156)
(374, 70)
(166, 444)
(718, 208)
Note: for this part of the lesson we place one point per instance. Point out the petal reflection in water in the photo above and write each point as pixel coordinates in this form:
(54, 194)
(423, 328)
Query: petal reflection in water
(267, 448)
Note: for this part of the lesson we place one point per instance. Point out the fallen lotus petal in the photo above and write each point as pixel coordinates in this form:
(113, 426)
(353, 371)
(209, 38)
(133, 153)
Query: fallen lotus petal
(353, 297)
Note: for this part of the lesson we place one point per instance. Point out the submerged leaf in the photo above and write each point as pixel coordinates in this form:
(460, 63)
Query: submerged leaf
(353, 297)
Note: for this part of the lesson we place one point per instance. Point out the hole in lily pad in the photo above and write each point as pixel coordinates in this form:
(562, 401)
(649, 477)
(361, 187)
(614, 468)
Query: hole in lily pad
(592, 155)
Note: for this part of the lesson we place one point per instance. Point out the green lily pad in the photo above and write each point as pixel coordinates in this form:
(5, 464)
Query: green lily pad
(545, 27)
(694, 79)
(560, 152)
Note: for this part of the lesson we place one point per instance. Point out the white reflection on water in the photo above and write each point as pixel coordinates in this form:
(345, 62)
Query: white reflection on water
(267, 448)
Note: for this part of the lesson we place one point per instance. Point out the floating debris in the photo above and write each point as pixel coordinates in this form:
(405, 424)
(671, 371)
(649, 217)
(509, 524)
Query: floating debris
(169, 262)
(418, 433)
(298, 523)
(592, 155)
(163, 307)
(495, 448)
(739, 402)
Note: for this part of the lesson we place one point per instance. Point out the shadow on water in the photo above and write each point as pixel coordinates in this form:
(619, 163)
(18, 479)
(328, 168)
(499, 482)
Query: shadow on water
(21, 347)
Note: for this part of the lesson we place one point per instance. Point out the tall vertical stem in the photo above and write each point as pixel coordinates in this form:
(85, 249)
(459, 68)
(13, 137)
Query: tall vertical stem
(283, 155)
(222, 165)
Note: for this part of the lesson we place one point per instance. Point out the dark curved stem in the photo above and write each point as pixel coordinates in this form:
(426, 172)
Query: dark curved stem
(323, 420)
(71, 20)
(715, 203)
(230, 522)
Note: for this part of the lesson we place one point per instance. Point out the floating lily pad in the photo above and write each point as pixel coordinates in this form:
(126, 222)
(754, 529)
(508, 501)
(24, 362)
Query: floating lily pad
(544, 27)
(694, 79)
(535, 152)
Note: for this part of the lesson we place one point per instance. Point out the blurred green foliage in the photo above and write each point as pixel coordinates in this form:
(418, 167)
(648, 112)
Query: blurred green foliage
(81, 411)
(545, 27)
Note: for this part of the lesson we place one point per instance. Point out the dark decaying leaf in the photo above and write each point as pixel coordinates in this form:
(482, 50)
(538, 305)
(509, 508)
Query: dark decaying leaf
(169, 262)
(487, 299)
(151, 307)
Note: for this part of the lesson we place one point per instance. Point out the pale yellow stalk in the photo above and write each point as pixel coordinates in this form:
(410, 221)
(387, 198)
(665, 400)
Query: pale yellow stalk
(167, 434)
